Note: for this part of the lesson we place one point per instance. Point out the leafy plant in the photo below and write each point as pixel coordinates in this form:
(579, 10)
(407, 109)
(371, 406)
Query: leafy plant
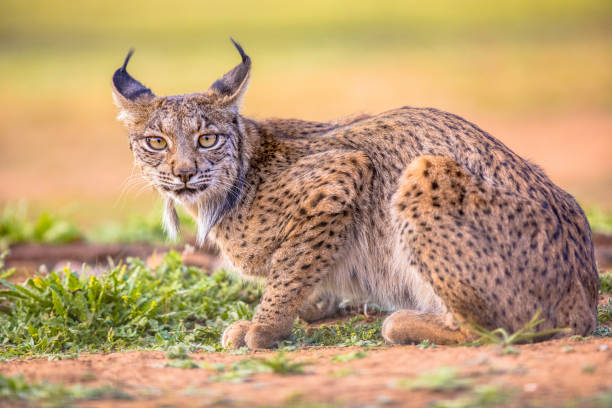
(426, 344)
(525, 334)
(600, 220)
(133, 306)
(602, 331)
(353, 332)
(178, 351)
(604, 312)
(182, 363)
(480, 397)
(343, 358)
(443, 379)
(605, 282)
(243, 369)
(281, 364)
(130, 306)
(17, 390)
(17, 226)
(139, 228)
(180, 358)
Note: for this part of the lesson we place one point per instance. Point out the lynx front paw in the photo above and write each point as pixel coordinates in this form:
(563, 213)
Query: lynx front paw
(262, 336)
(233, 336)
(253, 335)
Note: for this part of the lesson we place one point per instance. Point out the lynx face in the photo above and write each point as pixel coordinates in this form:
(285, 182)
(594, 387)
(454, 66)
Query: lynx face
(186, 149)
(190, 148)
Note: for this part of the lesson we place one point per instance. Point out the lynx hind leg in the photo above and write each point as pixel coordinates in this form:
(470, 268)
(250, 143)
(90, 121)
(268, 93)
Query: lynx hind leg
(482, 250)
(409, 326)
(320, 305)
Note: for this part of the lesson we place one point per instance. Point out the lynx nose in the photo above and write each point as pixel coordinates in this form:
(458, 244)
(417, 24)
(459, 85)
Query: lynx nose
(185, 173)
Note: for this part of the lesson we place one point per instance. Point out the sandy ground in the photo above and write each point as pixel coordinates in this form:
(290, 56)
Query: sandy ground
(553, 373)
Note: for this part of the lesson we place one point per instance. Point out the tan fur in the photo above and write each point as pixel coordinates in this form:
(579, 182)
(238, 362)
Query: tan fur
(415, 209)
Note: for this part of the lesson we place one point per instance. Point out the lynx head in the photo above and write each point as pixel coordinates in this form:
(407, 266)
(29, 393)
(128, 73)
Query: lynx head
(190, 148)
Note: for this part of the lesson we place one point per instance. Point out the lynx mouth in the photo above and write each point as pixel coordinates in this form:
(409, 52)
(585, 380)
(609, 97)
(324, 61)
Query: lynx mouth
(185, 191)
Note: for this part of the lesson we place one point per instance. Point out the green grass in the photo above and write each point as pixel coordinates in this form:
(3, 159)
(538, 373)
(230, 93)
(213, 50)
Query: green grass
(243, 369)
(343, 358)
(18, 226)
(480, 396)
(171, 307)
(449, 380)
(525, 334)
(354, 332)
(443, 379)
(604, 312)
(600, 220)
(605, 282)
(17, 390)
(281, 364)
(131, 306)
(139, 228)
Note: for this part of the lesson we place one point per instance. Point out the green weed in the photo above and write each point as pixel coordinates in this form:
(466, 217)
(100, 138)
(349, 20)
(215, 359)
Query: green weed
(604, 312)
(139, 228)
(17, 226)
(281, 364)
(443, 379)
(243, 369)
(178, 351)
(182, 363)
(602, 331)
(180, 357)
(130, 306)
(524, 335)
(480, 397)
(600, 220)
(343, 358)
(426, 344)
(17, 390)
(353, 332)
(345, 372)
(605, 282)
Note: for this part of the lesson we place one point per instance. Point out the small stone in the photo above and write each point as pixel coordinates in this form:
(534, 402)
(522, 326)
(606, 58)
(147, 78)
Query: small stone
(530, 387)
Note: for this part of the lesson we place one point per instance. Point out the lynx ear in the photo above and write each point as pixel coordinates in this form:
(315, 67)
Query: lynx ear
(130, 95)
(230, 89)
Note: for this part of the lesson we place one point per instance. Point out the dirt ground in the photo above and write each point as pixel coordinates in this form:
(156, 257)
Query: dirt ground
(552, 373)
(28, 258)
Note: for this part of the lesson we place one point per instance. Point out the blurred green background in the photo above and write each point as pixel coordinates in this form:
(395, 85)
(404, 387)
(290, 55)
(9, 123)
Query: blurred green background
(535, 74)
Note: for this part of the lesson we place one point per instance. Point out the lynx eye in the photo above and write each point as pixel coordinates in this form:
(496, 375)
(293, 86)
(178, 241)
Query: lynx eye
(207, 141)
(156, 143)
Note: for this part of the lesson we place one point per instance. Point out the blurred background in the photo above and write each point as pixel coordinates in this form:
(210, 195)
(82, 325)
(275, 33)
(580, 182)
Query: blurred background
(535, 74)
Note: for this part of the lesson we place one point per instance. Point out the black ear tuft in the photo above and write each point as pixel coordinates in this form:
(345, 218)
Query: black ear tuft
(127, 86)
(232, 85)
(245, 58)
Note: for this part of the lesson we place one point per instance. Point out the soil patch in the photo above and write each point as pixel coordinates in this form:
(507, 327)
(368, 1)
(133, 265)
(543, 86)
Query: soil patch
(549, 374)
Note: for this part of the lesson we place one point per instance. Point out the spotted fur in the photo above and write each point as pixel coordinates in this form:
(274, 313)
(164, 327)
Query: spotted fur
(415, 209)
